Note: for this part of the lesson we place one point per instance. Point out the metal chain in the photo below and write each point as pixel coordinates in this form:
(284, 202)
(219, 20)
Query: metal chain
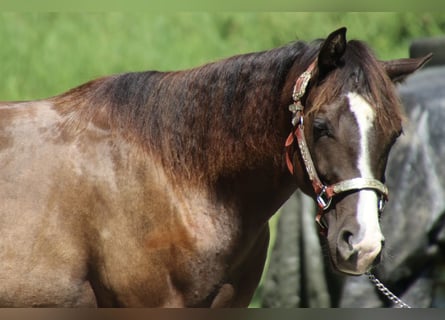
(381, 287)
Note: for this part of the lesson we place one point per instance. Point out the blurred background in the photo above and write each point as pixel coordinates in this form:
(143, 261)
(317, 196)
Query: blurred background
(44, 54)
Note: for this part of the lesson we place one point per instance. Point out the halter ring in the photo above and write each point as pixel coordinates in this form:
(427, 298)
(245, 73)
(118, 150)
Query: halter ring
(324, 200)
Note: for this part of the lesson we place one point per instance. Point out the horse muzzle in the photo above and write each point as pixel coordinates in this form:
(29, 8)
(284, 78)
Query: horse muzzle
(356, 259)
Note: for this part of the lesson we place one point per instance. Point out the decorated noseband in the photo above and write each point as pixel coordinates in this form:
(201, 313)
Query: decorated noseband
(324, 193)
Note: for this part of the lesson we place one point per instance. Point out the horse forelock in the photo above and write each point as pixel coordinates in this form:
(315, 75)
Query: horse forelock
(362, 73)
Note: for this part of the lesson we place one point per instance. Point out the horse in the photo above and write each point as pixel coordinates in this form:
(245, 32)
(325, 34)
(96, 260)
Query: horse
(154, 189)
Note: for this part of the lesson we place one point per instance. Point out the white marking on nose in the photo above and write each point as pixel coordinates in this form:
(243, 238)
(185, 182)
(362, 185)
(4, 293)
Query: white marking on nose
(370, 235)
(364, 114)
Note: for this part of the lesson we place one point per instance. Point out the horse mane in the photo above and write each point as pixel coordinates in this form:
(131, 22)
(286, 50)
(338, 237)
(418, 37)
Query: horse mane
(208, 120)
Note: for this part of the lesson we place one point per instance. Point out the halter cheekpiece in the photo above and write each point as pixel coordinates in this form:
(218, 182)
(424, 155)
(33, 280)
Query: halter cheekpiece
(324, 193)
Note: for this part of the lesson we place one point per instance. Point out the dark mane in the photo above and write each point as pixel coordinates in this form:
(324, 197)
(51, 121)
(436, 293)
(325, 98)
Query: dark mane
(210, 118)
(362, 72)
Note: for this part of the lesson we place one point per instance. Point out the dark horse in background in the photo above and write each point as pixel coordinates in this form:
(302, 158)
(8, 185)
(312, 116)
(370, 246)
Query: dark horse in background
(155, 188)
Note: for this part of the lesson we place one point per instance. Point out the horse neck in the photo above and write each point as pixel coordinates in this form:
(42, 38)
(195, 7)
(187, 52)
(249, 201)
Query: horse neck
(221, 126)
(241, 128)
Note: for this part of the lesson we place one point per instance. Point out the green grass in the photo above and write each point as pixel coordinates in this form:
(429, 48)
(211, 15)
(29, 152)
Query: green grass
(44, 54)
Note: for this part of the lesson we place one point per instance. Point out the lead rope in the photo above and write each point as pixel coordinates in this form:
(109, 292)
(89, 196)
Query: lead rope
(381, 287)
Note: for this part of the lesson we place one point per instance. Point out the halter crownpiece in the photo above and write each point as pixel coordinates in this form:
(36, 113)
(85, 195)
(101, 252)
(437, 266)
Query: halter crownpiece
(324, 193)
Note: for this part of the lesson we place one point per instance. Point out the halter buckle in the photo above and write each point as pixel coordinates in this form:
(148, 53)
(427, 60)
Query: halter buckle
(297, 113)
(324, 200)
(381, 204)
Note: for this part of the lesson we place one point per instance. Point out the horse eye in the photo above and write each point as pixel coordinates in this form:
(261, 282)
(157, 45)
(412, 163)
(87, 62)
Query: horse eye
(321, 129)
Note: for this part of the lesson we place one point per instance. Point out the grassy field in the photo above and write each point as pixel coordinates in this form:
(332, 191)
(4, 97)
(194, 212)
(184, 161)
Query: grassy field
(44, 54)
(47, 53)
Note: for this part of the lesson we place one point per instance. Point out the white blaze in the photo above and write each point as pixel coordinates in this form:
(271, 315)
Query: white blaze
(370, 235)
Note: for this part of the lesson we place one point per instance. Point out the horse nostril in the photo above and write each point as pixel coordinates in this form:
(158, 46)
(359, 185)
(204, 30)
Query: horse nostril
(347, 238)
(346, 246)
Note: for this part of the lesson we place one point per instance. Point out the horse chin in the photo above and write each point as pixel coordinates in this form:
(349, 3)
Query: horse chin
(356, 265)
(352, 272)
(349, 268)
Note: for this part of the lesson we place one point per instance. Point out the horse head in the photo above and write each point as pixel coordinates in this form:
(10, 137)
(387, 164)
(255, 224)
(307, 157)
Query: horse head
(352, 117)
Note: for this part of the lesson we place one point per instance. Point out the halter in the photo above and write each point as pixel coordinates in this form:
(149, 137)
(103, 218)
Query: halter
(324, 193)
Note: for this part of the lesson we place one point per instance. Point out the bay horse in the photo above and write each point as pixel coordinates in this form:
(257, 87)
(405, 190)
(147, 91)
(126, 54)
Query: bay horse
(155, 189)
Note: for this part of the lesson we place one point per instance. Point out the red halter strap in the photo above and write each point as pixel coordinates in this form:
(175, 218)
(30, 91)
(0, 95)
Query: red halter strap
(324, 194)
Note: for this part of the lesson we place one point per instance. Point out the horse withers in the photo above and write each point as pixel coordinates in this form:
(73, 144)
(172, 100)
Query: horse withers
(155, 188)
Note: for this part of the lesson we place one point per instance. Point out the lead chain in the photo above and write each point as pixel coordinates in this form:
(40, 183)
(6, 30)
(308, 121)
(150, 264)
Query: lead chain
(381, 287)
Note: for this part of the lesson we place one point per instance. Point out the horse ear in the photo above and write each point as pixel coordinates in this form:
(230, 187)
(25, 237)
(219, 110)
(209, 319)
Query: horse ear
(399, 69)
(332, 50)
